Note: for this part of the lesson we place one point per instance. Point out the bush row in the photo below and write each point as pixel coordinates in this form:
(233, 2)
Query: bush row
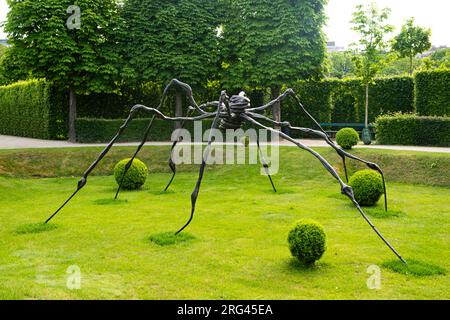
(433, 93)
(33, 109)
(102, 130)
(409, 129)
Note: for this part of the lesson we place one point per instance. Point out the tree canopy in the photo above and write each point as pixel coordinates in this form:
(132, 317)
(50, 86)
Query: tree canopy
(268, 43)
(411, 41)
(171, 39)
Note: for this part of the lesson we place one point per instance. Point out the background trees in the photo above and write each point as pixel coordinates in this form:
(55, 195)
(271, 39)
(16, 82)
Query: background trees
(80, 61)
(369, 23)
(171, 39)
(411, 41)
(269, 43)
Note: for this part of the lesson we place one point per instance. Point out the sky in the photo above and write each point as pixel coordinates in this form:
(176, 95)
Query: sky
(434, 14)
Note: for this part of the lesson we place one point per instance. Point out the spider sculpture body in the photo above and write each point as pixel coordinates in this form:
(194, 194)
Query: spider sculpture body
(232, 113)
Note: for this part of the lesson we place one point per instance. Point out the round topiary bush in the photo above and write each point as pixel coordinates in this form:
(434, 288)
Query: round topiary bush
(135, 177)
(347, 138)
(307, 241)
(367, 187)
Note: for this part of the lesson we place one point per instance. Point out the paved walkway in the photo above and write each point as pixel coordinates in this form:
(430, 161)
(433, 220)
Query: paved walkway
(10, 142)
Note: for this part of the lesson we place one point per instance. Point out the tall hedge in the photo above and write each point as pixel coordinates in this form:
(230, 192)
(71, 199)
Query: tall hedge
(433, 93)
(103, 130)
(386, 95)
(315, 97)
(32, 109)
(409, 129)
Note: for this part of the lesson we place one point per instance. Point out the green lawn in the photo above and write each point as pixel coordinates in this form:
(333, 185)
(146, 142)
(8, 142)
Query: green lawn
(240, 247)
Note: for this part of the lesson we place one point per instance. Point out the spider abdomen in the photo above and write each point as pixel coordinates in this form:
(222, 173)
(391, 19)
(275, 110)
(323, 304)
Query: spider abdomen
(238, 104)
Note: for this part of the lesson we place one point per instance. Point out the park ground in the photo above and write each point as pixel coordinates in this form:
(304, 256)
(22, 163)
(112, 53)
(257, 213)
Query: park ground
(239, 247)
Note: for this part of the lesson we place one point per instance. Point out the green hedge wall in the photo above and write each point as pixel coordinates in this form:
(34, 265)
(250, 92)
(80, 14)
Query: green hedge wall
(386, 95)
(433, 93)
(410, 129)
(103, 130)
(33, 109)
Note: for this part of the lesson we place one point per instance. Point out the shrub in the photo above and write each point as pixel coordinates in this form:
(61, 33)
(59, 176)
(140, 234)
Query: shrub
(103, 130)
(409, 129)
(367, 186)
(307, 241)
(32, 109)
(347, 138)
(432, 93)
(135, 176)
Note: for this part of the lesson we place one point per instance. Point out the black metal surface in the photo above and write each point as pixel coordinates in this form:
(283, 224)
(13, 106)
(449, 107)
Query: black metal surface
(232, 114)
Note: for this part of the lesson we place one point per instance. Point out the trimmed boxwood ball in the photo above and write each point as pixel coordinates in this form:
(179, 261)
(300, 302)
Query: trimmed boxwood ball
(135, 177)
(307, 241)
(347, 138)
(367, 187)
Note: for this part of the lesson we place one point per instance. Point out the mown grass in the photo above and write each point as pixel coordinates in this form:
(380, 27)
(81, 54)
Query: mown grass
(240, 248)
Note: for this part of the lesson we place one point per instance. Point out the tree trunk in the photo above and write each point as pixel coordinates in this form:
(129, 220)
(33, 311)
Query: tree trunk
(410, 65)
(178, 108)
(276, 109)
(366, 118)
(72, 115)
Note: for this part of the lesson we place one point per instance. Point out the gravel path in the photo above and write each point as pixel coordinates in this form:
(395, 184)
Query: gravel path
(10, 142)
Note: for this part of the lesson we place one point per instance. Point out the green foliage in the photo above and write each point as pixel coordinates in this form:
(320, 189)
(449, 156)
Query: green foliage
(439, 59)
(415, 268)
(32, 109)
(171, 39)
(85, 59)
(411, 41)
(387, 95)
(347, 138)
(432, 93)
(409, 129)
(370, 24)
(367, 186)
(170, 238)
(307, 241)
(135, 176)
(103, 130)
(315, 96)
(341, 65)
(270, 43)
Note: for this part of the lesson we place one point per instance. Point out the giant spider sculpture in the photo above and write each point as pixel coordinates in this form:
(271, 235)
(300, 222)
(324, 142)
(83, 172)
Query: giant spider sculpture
(232, 113)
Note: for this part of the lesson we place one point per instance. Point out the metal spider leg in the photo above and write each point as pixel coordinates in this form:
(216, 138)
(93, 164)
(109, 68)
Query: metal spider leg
(265, 164)
(342, 153)
(345, 189)
(172, 83)
(194, 195)
(83, 180)
(172, 164)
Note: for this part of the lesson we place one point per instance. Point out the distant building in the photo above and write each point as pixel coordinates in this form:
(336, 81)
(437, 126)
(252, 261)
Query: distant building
(431, 51)
(331, 47)
(4, 42)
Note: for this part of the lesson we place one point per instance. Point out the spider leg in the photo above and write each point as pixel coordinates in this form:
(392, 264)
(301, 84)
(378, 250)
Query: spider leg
(265, 165)
(342, 153)
(345, 189)
(172, 164)
(173, 83)
(83, 181)
(194, 195)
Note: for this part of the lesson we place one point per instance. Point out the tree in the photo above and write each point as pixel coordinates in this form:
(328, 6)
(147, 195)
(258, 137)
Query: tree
(269, 43)
(341, 64)
(439, 59)
(370, 51)
(411, 41)
(171, 39)
(81, 60)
